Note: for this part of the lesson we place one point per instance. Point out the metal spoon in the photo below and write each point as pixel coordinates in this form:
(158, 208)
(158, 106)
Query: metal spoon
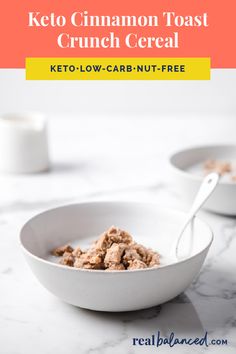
(207, 187)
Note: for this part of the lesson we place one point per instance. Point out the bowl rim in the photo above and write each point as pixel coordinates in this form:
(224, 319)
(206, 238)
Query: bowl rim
(92, 271)
(192, 176)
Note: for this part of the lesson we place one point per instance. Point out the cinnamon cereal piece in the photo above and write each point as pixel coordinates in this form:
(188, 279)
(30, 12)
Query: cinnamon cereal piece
(60, 250)
(155, 260)
(77, 252)
(116, 267)
(67, 259)
(89, 260)
(130, 255)
(95, 258)
(103, 242)
(136, 264)
(114, 253)
(119, 236)
(80, 261)
(112, 235)
(142, 251)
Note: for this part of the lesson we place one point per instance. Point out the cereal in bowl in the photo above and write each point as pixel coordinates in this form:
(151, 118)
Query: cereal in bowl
(115, 249)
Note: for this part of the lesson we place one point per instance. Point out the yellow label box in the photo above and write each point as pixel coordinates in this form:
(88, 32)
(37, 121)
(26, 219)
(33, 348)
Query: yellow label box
(118, 68)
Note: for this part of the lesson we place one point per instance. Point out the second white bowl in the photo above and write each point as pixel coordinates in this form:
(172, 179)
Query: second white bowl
(223, 200)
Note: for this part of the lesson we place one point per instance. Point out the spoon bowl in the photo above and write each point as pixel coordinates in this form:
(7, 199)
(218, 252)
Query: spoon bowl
(99, 290)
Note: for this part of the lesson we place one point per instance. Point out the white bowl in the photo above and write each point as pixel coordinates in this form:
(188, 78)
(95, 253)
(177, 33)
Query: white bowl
(223, 200)
(117, 290)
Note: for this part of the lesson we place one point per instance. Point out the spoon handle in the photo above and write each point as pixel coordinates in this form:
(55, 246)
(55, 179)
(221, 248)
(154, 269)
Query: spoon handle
(207, 187)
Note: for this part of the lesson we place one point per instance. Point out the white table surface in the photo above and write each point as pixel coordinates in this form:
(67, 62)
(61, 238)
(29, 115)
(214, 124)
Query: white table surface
(113, 158)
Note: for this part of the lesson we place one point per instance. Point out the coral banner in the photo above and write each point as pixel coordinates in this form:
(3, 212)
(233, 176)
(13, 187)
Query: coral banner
(147, 29)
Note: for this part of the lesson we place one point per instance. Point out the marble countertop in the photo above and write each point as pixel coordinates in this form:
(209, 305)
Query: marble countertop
(113, 158)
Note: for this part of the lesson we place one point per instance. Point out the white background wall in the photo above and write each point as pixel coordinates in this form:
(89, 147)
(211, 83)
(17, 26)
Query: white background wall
(216, 97)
